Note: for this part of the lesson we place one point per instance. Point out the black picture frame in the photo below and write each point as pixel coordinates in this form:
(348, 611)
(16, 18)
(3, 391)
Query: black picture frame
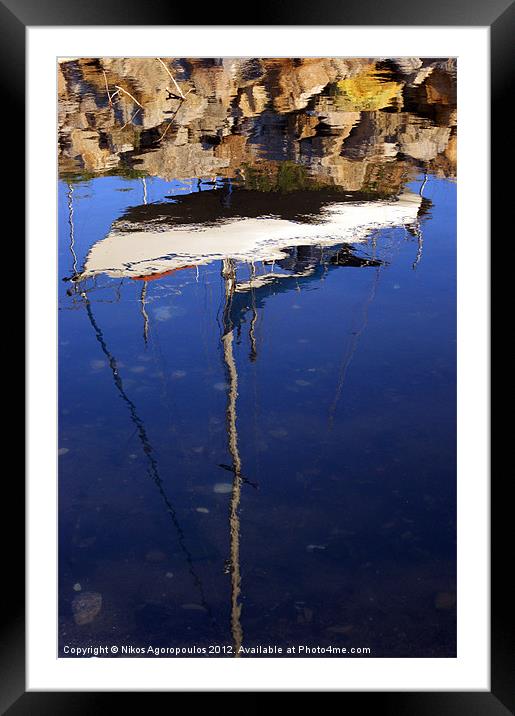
(498, 15)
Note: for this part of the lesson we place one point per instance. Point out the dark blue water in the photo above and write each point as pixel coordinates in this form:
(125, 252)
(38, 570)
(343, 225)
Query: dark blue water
(342, 515)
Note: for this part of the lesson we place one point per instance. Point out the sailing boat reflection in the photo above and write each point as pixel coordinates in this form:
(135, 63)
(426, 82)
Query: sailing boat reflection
(295, 247)
(200, 228)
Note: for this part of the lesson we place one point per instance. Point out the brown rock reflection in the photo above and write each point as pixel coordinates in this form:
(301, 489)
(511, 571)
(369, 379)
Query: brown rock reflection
(354, 123)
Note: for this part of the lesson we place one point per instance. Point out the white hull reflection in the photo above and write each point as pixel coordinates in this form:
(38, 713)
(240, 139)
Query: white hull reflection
(143, 252)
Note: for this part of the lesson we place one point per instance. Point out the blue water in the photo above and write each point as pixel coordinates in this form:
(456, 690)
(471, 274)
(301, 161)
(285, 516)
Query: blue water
(346, 431)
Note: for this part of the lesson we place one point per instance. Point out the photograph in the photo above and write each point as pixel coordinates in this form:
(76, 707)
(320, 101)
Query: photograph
(257, 355)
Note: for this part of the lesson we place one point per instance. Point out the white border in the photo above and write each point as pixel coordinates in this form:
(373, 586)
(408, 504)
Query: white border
(470, 671)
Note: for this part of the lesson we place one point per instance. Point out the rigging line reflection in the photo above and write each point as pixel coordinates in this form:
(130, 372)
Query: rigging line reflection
(253, 358)
(72, 228)
(420, 246)
(152, 469)
(418, 231)
(229, 277)
(144, 313)
(118, 291)
(347, 360)
(252, 334)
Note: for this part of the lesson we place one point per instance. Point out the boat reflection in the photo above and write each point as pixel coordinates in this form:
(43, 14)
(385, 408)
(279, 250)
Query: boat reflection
(295, 244)
(239, 225)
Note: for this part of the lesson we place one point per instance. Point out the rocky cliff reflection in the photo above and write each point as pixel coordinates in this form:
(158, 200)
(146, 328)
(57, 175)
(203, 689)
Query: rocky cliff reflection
(257, 355)
(358, 124)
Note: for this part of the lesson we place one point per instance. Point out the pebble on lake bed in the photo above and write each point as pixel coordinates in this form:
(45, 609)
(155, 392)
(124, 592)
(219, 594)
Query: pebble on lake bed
(445, 600)
(315, 547)
(203, 510)
(163, 313)
(178, 374)
(97, 365)
(77, 587)
(86, 607)
(346, 629)
(155, 555)
(220, 386)
(279, 433)
(222, 488)
(63, 451)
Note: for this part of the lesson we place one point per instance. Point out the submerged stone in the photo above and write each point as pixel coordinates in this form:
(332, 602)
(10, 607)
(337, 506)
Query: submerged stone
(86, 607)
(97, 365)
(222, 488)
(163, 313)
(220, 386)
(155, 555)
(445, 600)
(345, 629)
(279, 433)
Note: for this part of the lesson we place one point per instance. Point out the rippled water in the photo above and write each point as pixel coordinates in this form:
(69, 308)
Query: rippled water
(257, 357)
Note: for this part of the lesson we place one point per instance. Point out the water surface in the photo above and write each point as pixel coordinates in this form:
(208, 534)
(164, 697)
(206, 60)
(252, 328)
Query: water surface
(257, 360)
